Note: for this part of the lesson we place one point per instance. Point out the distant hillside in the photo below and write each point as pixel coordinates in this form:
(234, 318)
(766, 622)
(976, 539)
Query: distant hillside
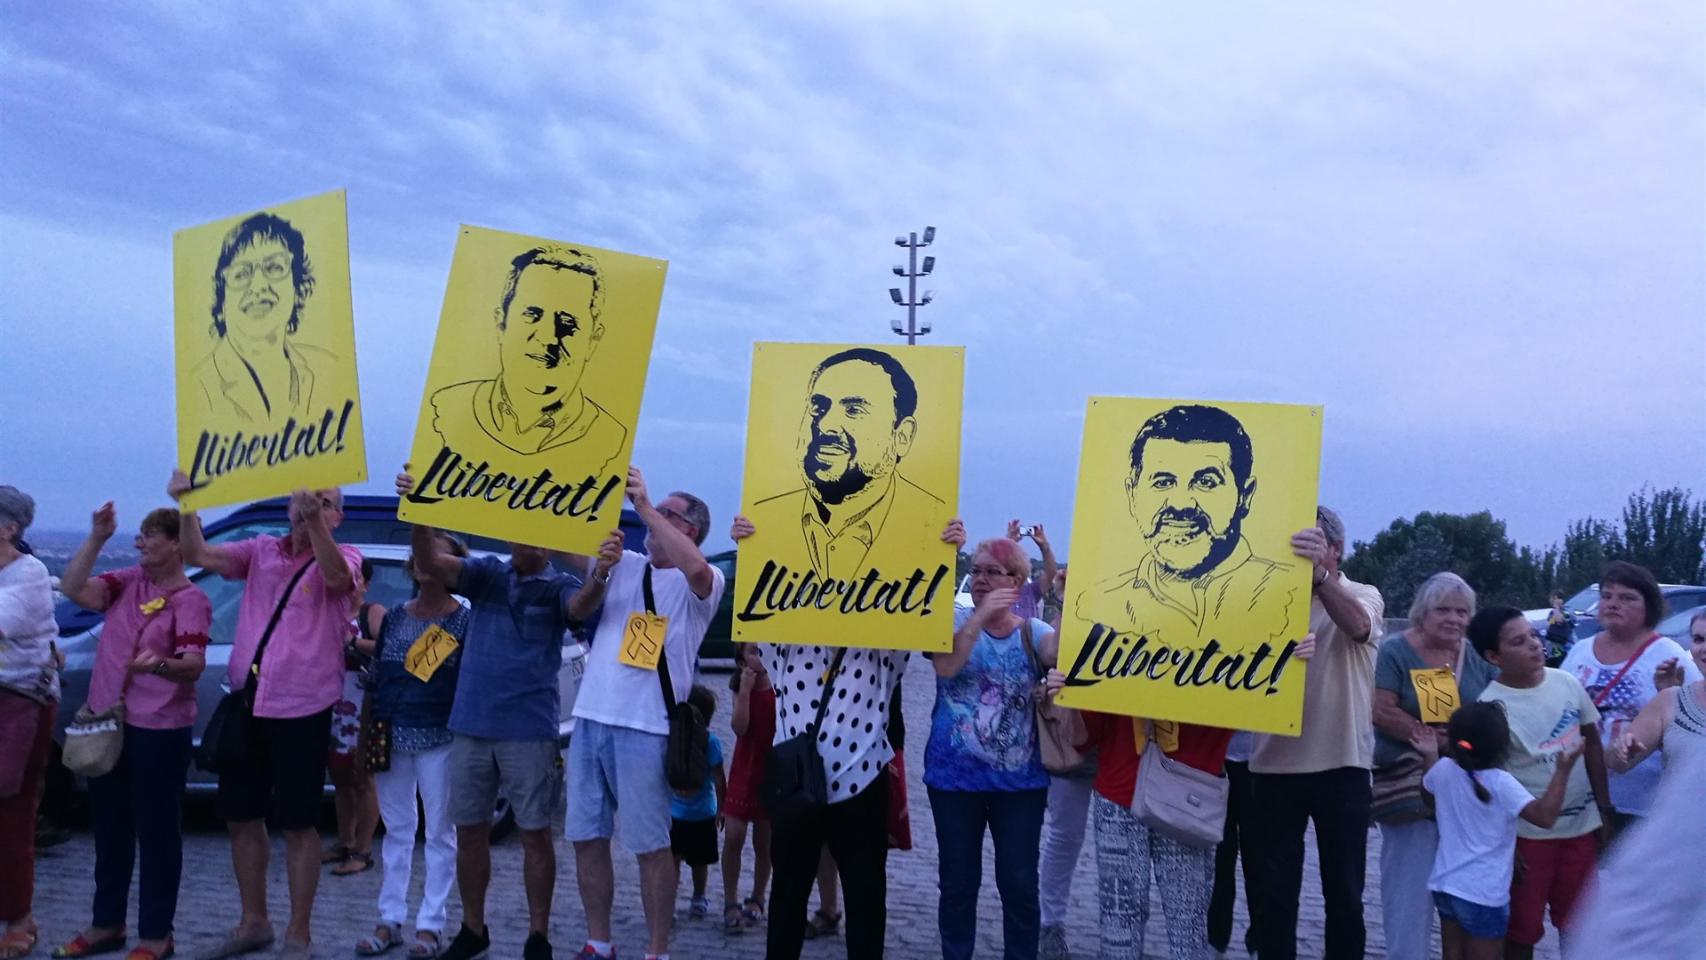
(55, 548)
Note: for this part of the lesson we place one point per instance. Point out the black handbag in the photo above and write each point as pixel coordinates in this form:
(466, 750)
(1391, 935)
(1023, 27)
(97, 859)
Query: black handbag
(794, 781)
(687, 755)
(226, 736)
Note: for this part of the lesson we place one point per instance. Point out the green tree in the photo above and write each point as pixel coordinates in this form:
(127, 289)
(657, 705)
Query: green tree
(1588, 546)
(1475, 546)
(1665, 531)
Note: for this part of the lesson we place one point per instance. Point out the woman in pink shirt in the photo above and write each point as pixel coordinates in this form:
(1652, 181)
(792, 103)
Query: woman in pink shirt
(150, 656)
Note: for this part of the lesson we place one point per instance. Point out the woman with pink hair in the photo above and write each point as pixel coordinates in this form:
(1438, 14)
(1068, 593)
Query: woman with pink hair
(982, 766)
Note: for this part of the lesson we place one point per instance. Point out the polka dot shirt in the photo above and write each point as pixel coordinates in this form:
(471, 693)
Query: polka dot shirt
(854, 741)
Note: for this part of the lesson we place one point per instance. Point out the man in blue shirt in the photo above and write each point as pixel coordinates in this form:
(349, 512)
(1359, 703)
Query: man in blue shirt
(504, 719)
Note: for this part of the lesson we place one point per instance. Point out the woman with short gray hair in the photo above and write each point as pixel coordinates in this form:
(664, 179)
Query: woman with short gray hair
(1431, 660)
(29, 697)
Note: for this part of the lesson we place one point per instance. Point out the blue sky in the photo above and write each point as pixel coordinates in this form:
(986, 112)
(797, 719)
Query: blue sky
(1476, 234)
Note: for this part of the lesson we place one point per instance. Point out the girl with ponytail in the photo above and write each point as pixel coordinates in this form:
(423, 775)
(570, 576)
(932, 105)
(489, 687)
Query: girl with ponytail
(1477, 804)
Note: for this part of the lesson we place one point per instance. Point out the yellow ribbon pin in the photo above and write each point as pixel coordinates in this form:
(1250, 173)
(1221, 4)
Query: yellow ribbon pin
(153, 606)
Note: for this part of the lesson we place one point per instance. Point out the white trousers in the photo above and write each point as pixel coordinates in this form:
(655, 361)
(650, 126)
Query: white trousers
(429, 773)
(1406, 906)
(1063, 838)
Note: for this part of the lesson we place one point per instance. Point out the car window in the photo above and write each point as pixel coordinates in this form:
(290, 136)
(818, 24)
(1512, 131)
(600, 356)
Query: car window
(1677, 623)
(226, 597)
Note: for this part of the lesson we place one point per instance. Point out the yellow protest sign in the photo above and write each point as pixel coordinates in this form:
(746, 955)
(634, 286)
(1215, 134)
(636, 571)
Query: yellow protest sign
(642, 640)
(1436, 693)
(1185, 601)
(265, 348)
(852, 472)
(528, 416)
(429, 651)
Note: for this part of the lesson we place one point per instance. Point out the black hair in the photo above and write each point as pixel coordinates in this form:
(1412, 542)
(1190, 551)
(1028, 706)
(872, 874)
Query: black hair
(366, 569)
(1195, 423)
(1622, 573)
(905, 391)
(557, 258)
(264, 226)
(703, 700)
(1484, 627)
(1479, 738)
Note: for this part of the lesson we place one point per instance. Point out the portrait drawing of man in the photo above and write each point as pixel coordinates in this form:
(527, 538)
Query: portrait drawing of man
(549, 324)
(1189, 491)
(856, 505)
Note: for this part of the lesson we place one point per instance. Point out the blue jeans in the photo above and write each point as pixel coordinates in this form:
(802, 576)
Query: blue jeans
(1015, 821)
(140, 804)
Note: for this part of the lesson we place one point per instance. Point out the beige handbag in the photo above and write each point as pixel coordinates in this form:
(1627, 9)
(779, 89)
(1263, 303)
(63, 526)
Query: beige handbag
(1177, 799)
(1059, 729)
(93, 741)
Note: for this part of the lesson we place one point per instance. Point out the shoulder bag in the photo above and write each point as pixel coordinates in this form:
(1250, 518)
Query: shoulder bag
(226, 736)
(1059, 729)
(687, 755)
(1178, 800)
(794, 781)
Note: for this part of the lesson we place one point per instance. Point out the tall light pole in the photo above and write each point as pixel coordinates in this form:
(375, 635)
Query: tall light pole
(912, 271)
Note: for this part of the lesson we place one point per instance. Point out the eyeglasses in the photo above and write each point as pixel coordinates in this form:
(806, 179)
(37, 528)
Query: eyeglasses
(670, 513)
(240, 275)
(989, 572)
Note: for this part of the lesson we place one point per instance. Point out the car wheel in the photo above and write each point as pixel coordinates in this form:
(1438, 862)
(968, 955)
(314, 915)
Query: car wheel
(503, 820)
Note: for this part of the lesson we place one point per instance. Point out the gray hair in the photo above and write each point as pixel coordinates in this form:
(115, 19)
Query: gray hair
(697, 514)
(17, 507)
(1331, 525)
(1435, 590)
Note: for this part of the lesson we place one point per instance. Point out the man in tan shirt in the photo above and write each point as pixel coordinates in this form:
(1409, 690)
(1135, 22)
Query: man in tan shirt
(1322, 774)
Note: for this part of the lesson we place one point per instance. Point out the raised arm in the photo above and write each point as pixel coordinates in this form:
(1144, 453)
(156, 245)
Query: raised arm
(1050, 566)
(429, 557)
(586, 600)
(1342, 606)
(333, 568)
(75, 582)
(196, 551)
(668, 543)
(741, 719)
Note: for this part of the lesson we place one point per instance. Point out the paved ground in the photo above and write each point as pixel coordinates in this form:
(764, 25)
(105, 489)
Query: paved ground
(345, 907)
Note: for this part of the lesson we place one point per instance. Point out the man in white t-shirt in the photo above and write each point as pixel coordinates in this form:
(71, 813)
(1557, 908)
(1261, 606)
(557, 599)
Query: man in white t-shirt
(616, 757)
(1322, 774)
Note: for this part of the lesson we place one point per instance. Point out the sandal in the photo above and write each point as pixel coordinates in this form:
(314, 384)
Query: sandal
(386, 936)
(143, 953)
(18, 942)
(424, 948)
(353, 864)
(82, 946)
(752, 911)
(733, 919)
(822, 924)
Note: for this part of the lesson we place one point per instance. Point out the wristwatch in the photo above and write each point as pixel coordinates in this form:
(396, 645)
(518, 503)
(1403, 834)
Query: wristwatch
(159, 669)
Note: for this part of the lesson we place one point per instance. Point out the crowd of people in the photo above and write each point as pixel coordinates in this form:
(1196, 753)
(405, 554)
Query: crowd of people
(1493, 809)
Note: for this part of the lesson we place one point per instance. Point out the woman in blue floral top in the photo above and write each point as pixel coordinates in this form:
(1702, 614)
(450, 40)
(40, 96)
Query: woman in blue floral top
(408, 719)
(982, 766)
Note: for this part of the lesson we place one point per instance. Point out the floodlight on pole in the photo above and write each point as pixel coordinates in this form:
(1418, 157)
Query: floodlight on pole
(912, 271)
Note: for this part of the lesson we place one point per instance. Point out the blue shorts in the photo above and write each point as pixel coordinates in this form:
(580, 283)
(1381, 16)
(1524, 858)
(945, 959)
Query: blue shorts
(617, 768)
(1477, 920)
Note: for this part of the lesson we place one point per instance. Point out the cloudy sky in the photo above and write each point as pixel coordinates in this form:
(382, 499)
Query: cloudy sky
(1475, 233)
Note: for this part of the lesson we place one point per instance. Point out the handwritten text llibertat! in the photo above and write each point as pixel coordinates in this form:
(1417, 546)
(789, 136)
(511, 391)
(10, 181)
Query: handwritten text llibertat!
(779, 589)
(220, 454)
(454, 477)
(1110, 654)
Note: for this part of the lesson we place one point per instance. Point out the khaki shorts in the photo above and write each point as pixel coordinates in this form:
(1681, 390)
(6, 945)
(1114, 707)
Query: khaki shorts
(525, 770)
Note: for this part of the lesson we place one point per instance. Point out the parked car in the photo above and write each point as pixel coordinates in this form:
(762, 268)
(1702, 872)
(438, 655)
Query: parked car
(1675, 626)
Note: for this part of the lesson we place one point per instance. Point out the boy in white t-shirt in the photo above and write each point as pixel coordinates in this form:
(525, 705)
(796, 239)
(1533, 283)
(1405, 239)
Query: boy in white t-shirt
(1476, 805)
(1549, 712)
